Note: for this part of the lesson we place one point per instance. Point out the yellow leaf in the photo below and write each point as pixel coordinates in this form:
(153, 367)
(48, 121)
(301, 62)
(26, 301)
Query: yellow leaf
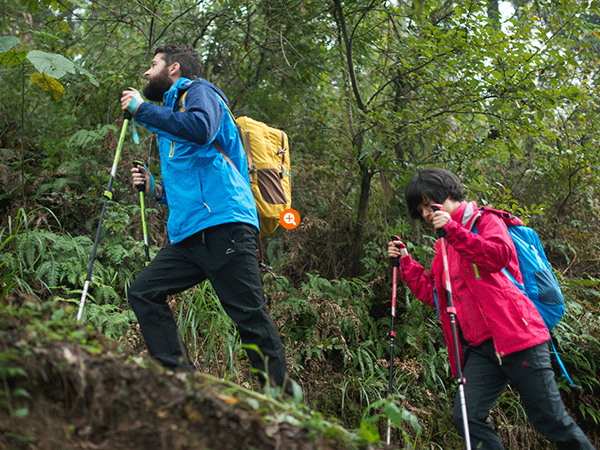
(228, 399)
(51, 84)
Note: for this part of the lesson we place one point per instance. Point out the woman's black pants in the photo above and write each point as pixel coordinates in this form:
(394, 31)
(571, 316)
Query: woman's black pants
(530, 373)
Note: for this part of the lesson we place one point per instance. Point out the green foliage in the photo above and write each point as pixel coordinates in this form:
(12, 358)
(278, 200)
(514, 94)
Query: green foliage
(578, 339)
(53, 65)
(9, 369)
(328, 319)
(56, 66)
(89, 138)
(7, 43)
(112, 320)
(395, 415)
(39, 261)
(208, 332)
(318, 334)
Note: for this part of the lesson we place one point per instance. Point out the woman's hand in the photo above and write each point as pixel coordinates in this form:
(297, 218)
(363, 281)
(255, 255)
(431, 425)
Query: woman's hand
(397, 249)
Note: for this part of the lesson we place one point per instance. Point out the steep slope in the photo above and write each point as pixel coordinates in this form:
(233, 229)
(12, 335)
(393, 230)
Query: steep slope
(67, 387)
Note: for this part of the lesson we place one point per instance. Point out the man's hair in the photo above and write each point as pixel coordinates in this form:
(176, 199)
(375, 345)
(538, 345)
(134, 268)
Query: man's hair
(434, 184)
(187, 57)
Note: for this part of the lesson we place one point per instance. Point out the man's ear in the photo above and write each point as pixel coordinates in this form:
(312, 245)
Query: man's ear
(174, 69)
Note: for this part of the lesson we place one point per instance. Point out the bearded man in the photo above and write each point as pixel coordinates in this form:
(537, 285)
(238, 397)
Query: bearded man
(213, 223)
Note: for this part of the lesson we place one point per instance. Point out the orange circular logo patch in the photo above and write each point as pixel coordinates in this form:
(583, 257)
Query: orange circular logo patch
(289, 219)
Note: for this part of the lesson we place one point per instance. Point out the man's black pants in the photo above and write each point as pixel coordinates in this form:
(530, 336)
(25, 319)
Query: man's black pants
(530, 374)
(226, 256)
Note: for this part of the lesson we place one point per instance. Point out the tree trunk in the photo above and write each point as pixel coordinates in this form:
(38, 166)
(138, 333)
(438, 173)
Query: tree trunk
(494, 13)
(356, 251)
(361, 218)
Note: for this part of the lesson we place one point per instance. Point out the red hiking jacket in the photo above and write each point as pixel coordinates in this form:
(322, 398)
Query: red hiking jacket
(488, 304)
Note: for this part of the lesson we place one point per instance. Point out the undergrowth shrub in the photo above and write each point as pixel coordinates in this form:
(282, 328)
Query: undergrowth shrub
(210, 335)
(330, 334)
(40, 259)
(326, 321)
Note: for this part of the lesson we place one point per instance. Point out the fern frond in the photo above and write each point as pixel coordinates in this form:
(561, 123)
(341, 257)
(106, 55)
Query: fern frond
(48, 271)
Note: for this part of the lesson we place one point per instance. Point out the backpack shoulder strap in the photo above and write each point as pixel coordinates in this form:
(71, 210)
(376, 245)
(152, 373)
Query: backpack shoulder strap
(510, 220)
(225, 103)
(218, 147)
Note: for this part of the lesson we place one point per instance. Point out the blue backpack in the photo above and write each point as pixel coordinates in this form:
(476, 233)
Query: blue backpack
(539, 282)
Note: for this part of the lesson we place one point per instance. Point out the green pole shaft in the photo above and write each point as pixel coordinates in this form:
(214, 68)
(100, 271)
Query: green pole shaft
(107, 197)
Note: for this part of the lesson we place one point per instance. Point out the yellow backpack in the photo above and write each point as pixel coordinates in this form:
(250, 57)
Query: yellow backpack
(267, 152)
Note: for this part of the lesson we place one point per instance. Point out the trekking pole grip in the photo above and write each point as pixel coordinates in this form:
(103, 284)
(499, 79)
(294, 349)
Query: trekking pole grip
(396, 261)
(127, 115)
(440, 231)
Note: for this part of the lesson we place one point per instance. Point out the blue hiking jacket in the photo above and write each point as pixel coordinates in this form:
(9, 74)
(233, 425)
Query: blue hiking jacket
(201, 187)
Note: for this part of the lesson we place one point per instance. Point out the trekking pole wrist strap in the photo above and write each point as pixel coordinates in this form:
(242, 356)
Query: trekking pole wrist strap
(152, 190)
(135, 101)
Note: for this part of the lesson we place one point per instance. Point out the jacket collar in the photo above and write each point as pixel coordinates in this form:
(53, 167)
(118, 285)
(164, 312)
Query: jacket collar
(172, 94)
(466, 214)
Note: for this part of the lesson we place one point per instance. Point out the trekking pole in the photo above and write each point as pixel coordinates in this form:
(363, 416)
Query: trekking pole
(395, 270)
(107, 196)
(451, 310)
(141, 188)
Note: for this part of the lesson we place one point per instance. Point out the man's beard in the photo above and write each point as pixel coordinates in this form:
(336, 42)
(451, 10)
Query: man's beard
(155, 88)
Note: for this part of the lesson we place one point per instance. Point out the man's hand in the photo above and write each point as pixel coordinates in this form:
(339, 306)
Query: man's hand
(144, 181)
(131, 101)
(141, 177)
